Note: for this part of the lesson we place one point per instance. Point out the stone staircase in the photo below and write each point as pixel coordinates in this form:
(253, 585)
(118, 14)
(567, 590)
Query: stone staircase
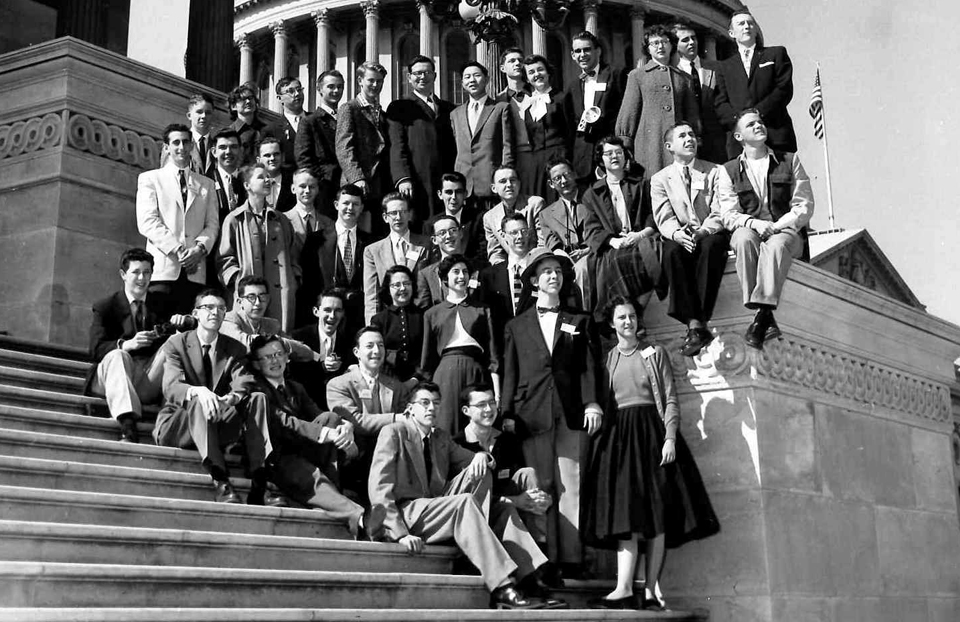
(94, 529)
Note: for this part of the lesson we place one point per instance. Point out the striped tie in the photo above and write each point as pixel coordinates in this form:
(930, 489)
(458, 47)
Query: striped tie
(517, 288)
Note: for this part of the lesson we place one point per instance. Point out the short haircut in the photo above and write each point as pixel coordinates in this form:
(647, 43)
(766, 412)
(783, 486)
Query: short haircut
(246, 172)
(363, 331)
(303, 171)
(473, 63)
(268, 140)
(742, 114)
(352, 190)
(533, 59)
(209, 291)
(134, 254)
(447, 263)
(237, 94)
(503, 167)
(746, 11)
(420, 58)
(618, 300)
(681, 25)
(371, 66)
(394, 196)
(478, 387)
(251, 280)
(586, 35)
(262, 341)
(657, 30)
(329, 73)
(668, 135)
(175, 127)
(332, 292)
(610, 139)
(454, 178)
(556, 161)
(507, 52)
(384, 293)
(198, 98)
(284, 82)
(514, 216)
(436, 219)
(226, 134)
(423, 385)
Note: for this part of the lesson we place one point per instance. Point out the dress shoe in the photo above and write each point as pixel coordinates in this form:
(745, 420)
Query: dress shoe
(509, 597)
(773, 330)
(706, 336)
(225, 492)
(549, 575)
(627, 602)
(651, 604)
(757, 331)
(534, 586)
(128, 429)
(371, 524)
(262, 495)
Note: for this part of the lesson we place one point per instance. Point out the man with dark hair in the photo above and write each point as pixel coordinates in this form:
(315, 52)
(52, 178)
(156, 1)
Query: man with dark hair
(448, 240)
(270, 155)
(755, 77)
(225, 172)
(177, 213)
(316, 144)
(712, 143)
(328, 339)
(209, 403)
(453, 197)
(592, 102)
(483, 130)
(200, 114)
(399, 248)
(767, 202)
(501, 285)
(125, 345)
(422, 146)
(244, 105)
(290, 93)
(562, 224)
(506, 185)
(247, 320)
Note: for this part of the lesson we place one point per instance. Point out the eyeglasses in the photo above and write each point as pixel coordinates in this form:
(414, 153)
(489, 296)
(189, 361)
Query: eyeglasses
(421, 74)
(395, 214)
(252, 298)
(612, 154)
(446, 233)
(212, 308)
(274, 356)
(293, 91)
(401, 284)
(247, 98)
(561, 176)
(489, 404)
(654, 43)
(519, 233)
(426, 402)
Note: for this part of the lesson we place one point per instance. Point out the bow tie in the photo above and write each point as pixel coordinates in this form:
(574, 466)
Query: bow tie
(585, 74)
(541, 311)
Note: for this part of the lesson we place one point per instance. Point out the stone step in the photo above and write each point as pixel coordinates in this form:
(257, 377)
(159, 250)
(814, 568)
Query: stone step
(68, 424)
(57, 401)
(38, 379)
(43, 348)
(109, 544)
(102, 508)
(334, 615)
(41, 584)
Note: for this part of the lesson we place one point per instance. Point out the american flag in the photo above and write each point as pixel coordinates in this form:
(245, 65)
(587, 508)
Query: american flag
(816, 107)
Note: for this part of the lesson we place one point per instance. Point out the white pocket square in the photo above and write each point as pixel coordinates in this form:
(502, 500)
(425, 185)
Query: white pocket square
(766, 64)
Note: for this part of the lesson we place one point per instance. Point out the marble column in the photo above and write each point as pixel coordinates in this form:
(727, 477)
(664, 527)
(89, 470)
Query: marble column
(426, 30)
(371, 11)
(488, 54)
(246, 57)
(279, 59)
(321, 17)
(636, 30)
(710, 46)
(538, 37)
(590, 15)
(83, 19)
(209, 58)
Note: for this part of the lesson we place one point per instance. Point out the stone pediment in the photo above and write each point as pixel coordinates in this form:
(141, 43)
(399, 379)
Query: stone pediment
(854, 255)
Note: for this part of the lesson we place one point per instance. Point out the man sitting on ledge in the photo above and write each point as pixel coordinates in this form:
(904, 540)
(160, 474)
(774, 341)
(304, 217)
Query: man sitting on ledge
(766, 201)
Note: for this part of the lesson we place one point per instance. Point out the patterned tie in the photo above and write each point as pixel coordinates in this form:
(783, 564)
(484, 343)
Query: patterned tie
(207, 367)
(687, 181)
(183, 186)
(348, 257)
(517, 288)
(428, 458)
(695, 78)
(403, 253)
(747, 58)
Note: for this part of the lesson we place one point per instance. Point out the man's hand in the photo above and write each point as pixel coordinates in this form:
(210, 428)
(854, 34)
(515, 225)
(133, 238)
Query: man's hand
(141, 340)
(344, 436)
(477, 467)
(227, 406)
(578, 253)
(592, 421)
(685, 240)
(526, 501)
(332, 362)
(763, 228)
(413, 544)
(406, 189)
(190, 259)
(669, 451)
(209, 403)
(617, 243)
(178, 319)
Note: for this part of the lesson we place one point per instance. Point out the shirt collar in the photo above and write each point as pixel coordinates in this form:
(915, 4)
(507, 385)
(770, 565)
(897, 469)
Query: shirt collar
(330, 111)
(212, 344)
(770, 154)
(130, 299)
(224, 174)
(365, 104)
(292, 117)
(680, 165)
(481, 101)
(396, 237)
(686, 65)
(370, 380)
(471, 433)
(426, 99)
(341, 228)
(741, 48)
(306, 210)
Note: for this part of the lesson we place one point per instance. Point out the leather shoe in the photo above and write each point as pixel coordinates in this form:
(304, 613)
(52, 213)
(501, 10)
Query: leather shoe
(550, 576)
(627, 602)
(691, 344)
(371, 524)
(757, 331)
(128, 429)
(509, 597)
(261, 495)
(651, 604)
(225, 492)
(773, 330)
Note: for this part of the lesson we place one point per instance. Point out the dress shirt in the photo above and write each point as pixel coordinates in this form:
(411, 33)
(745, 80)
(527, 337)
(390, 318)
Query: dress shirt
(370, 380)
(801, 199)
(196, 140)
(548, 327)
(589, 87)
(293, 119)
(399, 253)
(746, 56)
(328, 343)
(512, 263)
(757, 171)
(308, 214)
(342, 233)
(330, 111)
(474, 109)
(537, 104)
(429, 100)
(619, 203)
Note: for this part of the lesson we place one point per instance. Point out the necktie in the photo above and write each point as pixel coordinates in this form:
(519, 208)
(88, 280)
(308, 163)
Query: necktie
(308, 223)
(375, 397)
(428, 458)
(747, 53)
(282, 392)
(687, 182)
(403, 252)
(348, 256)
(517, 288)
(207, 367)
(695, 77)
(203, 153)
(546, 310)
(231, 195)
(183, 186)
(135, 313)
(576, 224)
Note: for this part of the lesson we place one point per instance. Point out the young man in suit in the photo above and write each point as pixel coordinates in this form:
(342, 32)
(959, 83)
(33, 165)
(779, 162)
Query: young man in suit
(448, 240)
(563, 226)
(244, 106)
(208, 399)
(305, 217)
(422, 146)
(755, 77)
(686, 207)
(483, 130)
(316, 144)
(767, 202)
(703, 75)
(502, 285)
(177, 213)
(429, 489)
(400, 247)
(200, 114)
(515, 93)
(225, 173)
(290, 93)
(334, 259)
(327, 338)
(506, 185)
(270, 154)
(549, 397)
(453, 197)
(125, 347)
(592, 102)
(363, 148)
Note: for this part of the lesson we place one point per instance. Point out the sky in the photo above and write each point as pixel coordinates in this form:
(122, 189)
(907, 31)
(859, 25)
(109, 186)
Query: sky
(890, 77)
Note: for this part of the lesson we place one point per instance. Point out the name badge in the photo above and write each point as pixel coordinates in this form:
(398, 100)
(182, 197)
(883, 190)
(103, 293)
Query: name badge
(600, 86)
(503, 474)
(697, 184)
(648, 352)
(473, 284)
(413, 255)
(366, 394)
(568, 328)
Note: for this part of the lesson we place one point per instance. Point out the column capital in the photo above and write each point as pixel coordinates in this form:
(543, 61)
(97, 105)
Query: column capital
(371, 8)
(243, 41)
(638, 12)
(278, 28)
(321, 17)
(591, 5)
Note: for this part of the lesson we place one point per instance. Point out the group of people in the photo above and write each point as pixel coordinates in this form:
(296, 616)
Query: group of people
(418, 298)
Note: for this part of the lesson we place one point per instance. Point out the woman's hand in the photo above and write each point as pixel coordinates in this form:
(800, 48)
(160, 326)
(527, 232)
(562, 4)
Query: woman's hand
(669, 451)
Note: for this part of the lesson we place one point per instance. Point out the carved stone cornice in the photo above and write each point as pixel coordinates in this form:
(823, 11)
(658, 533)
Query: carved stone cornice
(29, 135)
(591, 5)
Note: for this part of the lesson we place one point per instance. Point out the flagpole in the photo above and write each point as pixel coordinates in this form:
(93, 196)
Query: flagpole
(826, 156)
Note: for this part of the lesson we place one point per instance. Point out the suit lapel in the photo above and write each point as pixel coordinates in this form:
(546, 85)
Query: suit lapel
(168, 179)
(754, 63)
(220, 359)
(414, 446)
(194, 354)
(386, 395)
(485, 113)
(561, 320)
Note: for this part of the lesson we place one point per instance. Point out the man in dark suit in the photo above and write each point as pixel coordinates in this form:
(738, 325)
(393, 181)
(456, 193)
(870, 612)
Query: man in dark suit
(447, 239)
(290, 93)
(431, 490)
(270, 154)
(592, 102)
(422, 146)
(549, 397)
(316, 145)
(244, 107)
(125, 347)
(363, 149)
(453, 195)
(225, 173)
(703, 75)
(335, 259)
(502, 284)
(483, 130)
(209, 404)
(755, 77)
(327, 338)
